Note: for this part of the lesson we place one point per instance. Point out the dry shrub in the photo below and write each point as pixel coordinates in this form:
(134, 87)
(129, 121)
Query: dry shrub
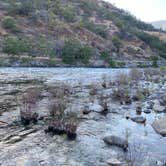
(149, 73)
(135, 75)
(122, 95)
(104, 81)
(103, 102)
(136, 154)
(60, 91)
(57, 108)
(122, 80)
(93, 90)
(61, 122)
(28, 105)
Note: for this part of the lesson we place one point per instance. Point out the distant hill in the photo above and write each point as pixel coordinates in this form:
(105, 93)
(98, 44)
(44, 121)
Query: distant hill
(75, 32)
(160, 24)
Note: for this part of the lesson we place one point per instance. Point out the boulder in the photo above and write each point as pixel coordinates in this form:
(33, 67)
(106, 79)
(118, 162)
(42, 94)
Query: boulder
(147, 111)
(163, 100)
(160, 126)
(113, 162)
(96, 108)
(117, 141)
(138, 119)
(158, 108)
(138, 110)
(14, 139)
(31, 163)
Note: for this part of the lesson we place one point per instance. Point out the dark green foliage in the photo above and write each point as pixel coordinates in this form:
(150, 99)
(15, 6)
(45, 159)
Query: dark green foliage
(21, 7)
(98, 29)
(88, 6)
(112, 63)
(86, 53)
(68, 13)
(74, 52)
(125, 20)
(106, 56)
(154, 61)
(117, 42)
(153, 42)
(15, 46)
(45, 47)
(9, 23)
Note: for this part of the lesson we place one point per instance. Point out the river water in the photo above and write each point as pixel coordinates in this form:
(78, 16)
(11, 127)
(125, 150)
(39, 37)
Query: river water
(90, 147)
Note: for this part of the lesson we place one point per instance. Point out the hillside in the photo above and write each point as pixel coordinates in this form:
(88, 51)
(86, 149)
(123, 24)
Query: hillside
(160, 24)
(74, 32)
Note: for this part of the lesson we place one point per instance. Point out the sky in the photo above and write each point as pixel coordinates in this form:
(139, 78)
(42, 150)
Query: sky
(146, 10)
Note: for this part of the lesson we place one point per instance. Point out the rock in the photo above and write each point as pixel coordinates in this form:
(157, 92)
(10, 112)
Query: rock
(150, 105)
(113, 162)
(147, 111)
(138, 110)
(138, 119)
(31, 163)
(86, 110)
(160, 126)
(163, 100)
(14, 140)
(117, 141)
(96, 108)
(26, 132)
(158, 108)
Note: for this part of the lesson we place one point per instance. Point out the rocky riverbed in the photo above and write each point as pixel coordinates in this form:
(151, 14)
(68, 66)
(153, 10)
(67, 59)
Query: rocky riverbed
(120, 117)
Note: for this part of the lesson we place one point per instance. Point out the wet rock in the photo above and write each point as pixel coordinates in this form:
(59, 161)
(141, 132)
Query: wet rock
(150, 105)
(147, 111)
(14, 139)
(138, 110)
(138, 119)
(117, 141)
(26, 132)
(163, 100)
(96, 108)
(158, 108)
(113, 162)
(31, 163)
(160, 126)
(86, 110)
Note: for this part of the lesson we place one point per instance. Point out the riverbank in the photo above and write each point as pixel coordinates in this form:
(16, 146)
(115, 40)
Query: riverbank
(27, 61)
(126, 104)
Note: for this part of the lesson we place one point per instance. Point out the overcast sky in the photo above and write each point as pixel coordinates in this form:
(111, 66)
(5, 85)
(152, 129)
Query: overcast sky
(146, 10)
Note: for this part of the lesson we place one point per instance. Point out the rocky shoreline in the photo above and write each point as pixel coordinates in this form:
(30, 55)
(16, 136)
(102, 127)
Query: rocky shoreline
(27, 61)
(118, 120)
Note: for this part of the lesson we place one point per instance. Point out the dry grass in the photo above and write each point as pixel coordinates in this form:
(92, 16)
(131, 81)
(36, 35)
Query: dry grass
(162, 36)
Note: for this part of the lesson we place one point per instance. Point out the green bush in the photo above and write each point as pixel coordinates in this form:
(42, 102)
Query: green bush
(117, 42)
(68, 13)
(112, 63)
(9, 23)
(106, 56)
(98, 29)
(86, 53)
(154, 61)
(73, 52)
(21, 7)
(15, 46)
(88, 6)
(45, 47)
(153, 42)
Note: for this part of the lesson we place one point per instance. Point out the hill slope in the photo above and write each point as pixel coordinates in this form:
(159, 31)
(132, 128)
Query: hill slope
(74, 32)
(160, 24)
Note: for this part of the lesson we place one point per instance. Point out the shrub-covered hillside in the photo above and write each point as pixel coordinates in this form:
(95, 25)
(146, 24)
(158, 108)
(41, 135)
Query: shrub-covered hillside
(75, 32)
